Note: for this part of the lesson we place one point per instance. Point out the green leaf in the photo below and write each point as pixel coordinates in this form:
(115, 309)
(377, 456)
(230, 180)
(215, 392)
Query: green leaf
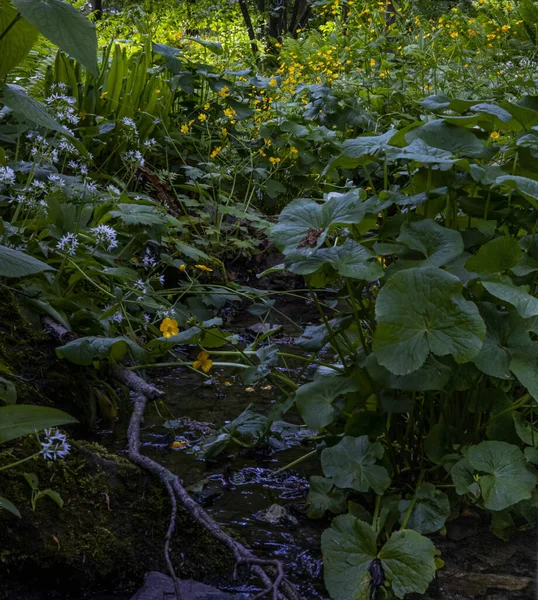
(528, 188)
(348, 547)
(409, 562)
(500, 254)
(83, 351)
(8, 391)
(64, 26)
(17, 42)
(315, 399)
(323, 496)
(451, 138)
(526, 431)
(367, 145)
(350, 260)
(9, 506)
(525, 368)
(508, 478)
(419, 151)
(419, 311)
(463, 477)
(14, 263)
(430, 512)
(29, 109)
(139, 214)
(352, 464)
(519, 297)
(438, 244)
(213, 47)
(433, 375)
(21, 419)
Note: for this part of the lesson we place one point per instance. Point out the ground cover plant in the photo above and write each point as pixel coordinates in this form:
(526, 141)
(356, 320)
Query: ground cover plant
(151, 155)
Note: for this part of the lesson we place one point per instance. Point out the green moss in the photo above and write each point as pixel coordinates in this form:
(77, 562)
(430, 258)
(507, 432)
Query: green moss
(109, 532)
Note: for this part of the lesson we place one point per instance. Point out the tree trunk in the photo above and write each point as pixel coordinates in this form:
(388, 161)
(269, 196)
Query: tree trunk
(248, 23)
(97, 6)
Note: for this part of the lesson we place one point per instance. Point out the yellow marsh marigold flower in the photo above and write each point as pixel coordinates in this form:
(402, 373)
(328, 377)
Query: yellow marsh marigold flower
(372, 62)
(203, 362)
(182, 267)
(169, 327)
(494, 135)
(202, 117)
(224, 92)
(176, 444)
(272, 82)
(249, 389)
(207, 106)
(204, 268)
(184, 129)
(216, 152)
(103, 95)
(274, 160)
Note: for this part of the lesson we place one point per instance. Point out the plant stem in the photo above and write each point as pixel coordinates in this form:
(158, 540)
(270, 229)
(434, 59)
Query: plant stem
(19, 462)
(295, 462)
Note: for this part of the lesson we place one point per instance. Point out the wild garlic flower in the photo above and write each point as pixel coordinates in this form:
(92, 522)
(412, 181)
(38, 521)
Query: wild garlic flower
(54, 445)
(106, 236)
(68, 243)
(7, 176)
(134, 158)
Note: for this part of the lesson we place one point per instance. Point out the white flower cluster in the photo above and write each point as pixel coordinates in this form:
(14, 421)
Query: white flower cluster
(106, 236)
(33, 195)
(7, 176)
(62, 107)
(68, 243)
(54, 445)
(134, 158)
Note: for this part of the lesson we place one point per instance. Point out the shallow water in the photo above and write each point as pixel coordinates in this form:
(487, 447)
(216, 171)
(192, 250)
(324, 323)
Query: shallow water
(236, 489)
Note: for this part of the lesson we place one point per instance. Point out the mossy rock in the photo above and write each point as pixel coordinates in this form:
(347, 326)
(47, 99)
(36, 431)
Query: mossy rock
(109, 532)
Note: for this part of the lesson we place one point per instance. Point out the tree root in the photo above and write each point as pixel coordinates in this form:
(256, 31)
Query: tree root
(278, 586)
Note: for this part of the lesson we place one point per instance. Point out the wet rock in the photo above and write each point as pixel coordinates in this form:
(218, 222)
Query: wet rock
(276, 515)
(158, 586)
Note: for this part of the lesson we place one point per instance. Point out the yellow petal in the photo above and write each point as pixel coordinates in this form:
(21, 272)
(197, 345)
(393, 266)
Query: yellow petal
(197, 364)
(206, 365)
(203, 355)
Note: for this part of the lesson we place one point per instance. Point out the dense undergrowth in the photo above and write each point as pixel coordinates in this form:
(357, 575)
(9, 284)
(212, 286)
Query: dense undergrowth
(389, 153)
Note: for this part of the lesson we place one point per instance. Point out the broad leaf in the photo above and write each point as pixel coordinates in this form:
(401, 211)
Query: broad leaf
(64, 26)
(507, 479)
(528, 188)
(352, 464)
(519, 297)
(420, 311)
(409, 562)
(323, 496)
(430, 512)
(348, 547)
(315, 399)
(451, 138)
(433, 375)
(14, 263)
(500, 254)
(84, 351)
(21, 419)
(367, 145)
(17, 42)
(29, 109)
(439, 245)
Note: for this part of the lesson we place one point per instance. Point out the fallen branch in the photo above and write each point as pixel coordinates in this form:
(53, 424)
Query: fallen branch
(279, 588)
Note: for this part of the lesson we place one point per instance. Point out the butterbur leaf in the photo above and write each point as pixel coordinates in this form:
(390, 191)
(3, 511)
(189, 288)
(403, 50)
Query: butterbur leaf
(323, 496)
(525, 368)
(433, 375)
(83, 351)
(315, 399)
(439, 245)
(430, 512)
(367, 145)
(409, 562)
(500, 254)
(463, 477)
(352, 464)
(64, 26)
(422, 310)
(506, 478)
(518, 296)
(349, 547)
(451, 138)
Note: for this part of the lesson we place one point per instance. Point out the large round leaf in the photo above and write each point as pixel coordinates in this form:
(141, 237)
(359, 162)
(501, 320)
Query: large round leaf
(508, 479)
(439, 245)
(430, 512)
(421, 311)
(352, 464)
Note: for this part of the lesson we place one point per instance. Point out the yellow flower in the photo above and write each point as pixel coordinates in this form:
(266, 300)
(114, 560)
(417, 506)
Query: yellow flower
(102, 96)
(224, 92)
(202, 117)
(227, 383)
(182, 267)
(216, 152)
(494, 135)
(157, 91)
(372, 62)
(229, 112)
(203, 268)
(177, 445)
(272, 82)
(224, 132)
(207, 106)
(203, 361)
(274, 160)
(249, 389)
(169, 327)
(294, 150)
(184, 129)
(266, 387)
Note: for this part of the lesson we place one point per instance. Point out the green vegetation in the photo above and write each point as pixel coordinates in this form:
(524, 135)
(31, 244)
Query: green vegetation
(388, 151)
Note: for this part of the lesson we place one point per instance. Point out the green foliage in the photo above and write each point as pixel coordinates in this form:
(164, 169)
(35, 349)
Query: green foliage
(19, 420)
